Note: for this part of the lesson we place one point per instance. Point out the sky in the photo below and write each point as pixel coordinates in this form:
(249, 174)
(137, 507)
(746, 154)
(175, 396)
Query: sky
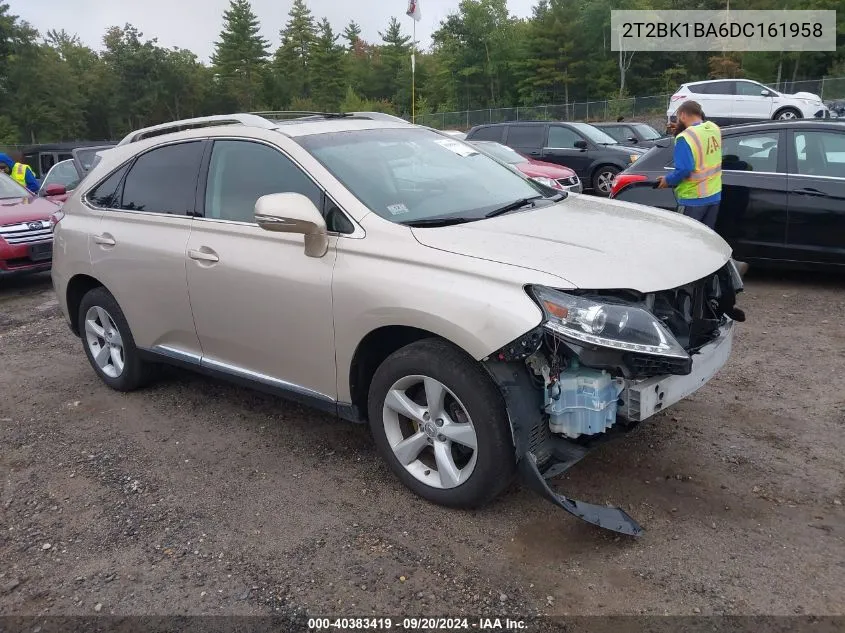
(196, 24)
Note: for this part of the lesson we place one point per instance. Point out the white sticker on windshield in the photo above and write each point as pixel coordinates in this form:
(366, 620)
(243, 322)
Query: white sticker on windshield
(397, 209)
(461, 149)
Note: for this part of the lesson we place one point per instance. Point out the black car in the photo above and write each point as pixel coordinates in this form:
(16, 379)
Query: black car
(783, 191)
(589, 152)
(631, 133)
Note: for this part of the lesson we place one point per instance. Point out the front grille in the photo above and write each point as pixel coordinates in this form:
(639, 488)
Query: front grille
(568, 182)
(26, 232)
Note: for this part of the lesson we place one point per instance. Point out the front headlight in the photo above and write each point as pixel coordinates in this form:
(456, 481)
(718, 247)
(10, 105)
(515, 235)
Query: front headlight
(548, 182)
(624, 327)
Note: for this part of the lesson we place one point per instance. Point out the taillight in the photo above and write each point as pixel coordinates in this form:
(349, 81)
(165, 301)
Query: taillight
(678, 97)
(55, 218)
(623, 180)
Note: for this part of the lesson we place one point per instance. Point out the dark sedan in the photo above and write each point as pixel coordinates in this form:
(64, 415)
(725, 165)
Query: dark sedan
(586, 150)
(631, 133)
(783, 195)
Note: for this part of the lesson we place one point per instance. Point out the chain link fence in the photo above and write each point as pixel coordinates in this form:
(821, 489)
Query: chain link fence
(651, 109)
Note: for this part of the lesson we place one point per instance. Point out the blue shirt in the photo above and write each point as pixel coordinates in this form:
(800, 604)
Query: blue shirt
(684, 166)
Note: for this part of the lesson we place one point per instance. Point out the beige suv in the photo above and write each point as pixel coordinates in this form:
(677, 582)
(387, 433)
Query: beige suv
(384, 272)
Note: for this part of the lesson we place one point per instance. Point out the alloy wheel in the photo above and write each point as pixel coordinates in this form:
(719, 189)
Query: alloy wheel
(787, 115)
(104, 341)
(430, 431)
(604, 182)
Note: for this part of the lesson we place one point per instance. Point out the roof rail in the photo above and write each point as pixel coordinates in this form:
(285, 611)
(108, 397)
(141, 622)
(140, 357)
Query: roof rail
(297, 114)
(249, 119)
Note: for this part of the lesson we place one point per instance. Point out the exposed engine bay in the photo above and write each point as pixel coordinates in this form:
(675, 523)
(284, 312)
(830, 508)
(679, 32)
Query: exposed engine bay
(601, 362)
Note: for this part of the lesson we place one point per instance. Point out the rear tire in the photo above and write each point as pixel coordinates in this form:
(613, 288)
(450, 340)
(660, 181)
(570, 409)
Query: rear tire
(787, 114)
(603, 180)
(109, 344)
(447, 403)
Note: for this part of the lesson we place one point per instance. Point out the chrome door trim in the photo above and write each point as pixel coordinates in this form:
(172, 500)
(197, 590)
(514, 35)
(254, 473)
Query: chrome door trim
(241, 372)
(176, 354)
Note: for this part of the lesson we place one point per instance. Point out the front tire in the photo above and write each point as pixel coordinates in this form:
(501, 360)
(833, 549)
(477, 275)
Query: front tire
(108, 342)
(788, 114)
(603, 180)
(441, 425)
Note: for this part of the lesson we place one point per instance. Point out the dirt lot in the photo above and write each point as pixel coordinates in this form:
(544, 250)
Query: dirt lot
(198, 497)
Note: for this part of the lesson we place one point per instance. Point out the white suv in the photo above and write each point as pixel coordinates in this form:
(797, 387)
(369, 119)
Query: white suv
(384, 273)
(731, 101)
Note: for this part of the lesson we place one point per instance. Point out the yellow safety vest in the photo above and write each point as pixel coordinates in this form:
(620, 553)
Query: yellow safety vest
(705, 141)
(19, 173)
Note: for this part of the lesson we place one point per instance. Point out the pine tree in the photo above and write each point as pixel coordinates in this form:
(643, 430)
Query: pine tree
(393, 73)
(352, 34)
(293, 59)
(240, 56)
(329, 68)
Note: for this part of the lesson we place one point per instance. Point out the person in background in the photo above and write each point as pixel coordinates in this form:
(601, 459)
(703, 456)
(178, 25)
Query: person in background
(697, 176)
(20, 173)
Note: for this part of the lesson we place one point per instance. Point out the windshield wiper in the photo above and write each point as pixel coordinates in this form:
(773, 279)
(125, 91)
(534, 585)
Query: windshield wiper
(513, 206)
(430, 222)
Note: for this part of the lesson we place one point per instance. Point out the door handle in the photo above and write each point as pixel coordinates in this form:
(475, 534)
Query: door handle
(203, 256)
(104, 240)
(535, 153)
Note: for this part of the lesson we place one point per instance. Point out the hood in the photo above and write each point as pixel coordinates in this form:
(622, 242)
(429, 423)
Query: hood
(592, 243)
(7, 160)
(806, 95)
(625, 150)
(541, 168)
(15, 210)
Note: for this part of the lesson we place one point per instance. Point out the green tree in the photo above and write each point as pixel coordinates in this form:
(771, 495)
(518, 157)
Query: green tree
(328, 63)
(240, 56)
(352, 34)
(293, 58)
(392, 66)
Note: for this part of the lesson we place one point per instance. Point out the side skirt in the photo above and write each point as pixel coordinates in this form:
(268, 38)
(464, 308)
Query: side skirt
(293, 393)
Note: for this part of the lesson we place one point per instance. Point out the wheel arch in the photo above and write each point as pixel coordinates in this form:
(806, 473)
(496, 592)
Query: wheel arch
(783, 109)
(78, 286)
(372, 351)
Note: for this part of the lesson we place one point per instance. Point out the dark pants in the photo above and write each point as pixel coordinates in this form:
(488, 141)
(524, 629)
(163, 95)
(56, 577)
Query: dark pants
(707, 214)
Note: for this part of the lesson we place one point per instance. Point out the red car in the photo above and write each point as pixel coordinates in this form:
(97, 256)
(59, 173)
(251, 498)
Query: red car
(549, 174)
(26, 228)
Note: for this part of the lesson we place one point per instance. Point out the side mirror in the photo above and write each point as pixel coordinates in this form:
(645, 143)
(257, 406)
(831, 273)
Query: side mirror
(294, 213)
(582, 145)
(55, 189)
(765, 93)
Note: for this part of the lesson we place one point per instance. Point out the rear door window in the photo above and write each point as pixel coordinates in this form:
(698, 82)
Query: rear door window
(164, 180)
(529, 136)
(714, 88)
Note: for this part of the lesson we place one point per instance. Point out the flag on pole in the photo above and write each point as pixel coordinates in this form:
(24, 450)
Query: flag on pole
(414, 10)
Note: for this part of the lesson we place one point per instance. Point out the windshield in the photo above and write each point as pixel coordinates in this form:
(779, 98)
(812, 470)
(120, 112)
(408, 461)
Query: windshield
(10, 189)
(411, 174)
(646, 131)
(500, 152)
(63, 173)
(594, 134)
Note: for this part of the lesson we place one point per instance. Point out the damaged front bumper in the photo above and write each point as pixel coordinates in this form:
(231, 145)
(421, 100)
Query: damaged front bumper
(542, 455)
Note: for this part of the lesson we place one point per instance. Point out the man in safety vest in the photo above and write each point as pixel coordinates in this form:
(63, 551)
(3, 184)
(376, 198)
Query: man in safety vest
(697, 177)
(20, 173)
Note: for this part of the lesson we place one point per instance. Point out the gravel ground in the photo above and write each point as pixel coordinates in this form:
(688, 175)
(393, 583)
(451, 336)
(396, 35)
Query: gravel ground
(197, 497)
